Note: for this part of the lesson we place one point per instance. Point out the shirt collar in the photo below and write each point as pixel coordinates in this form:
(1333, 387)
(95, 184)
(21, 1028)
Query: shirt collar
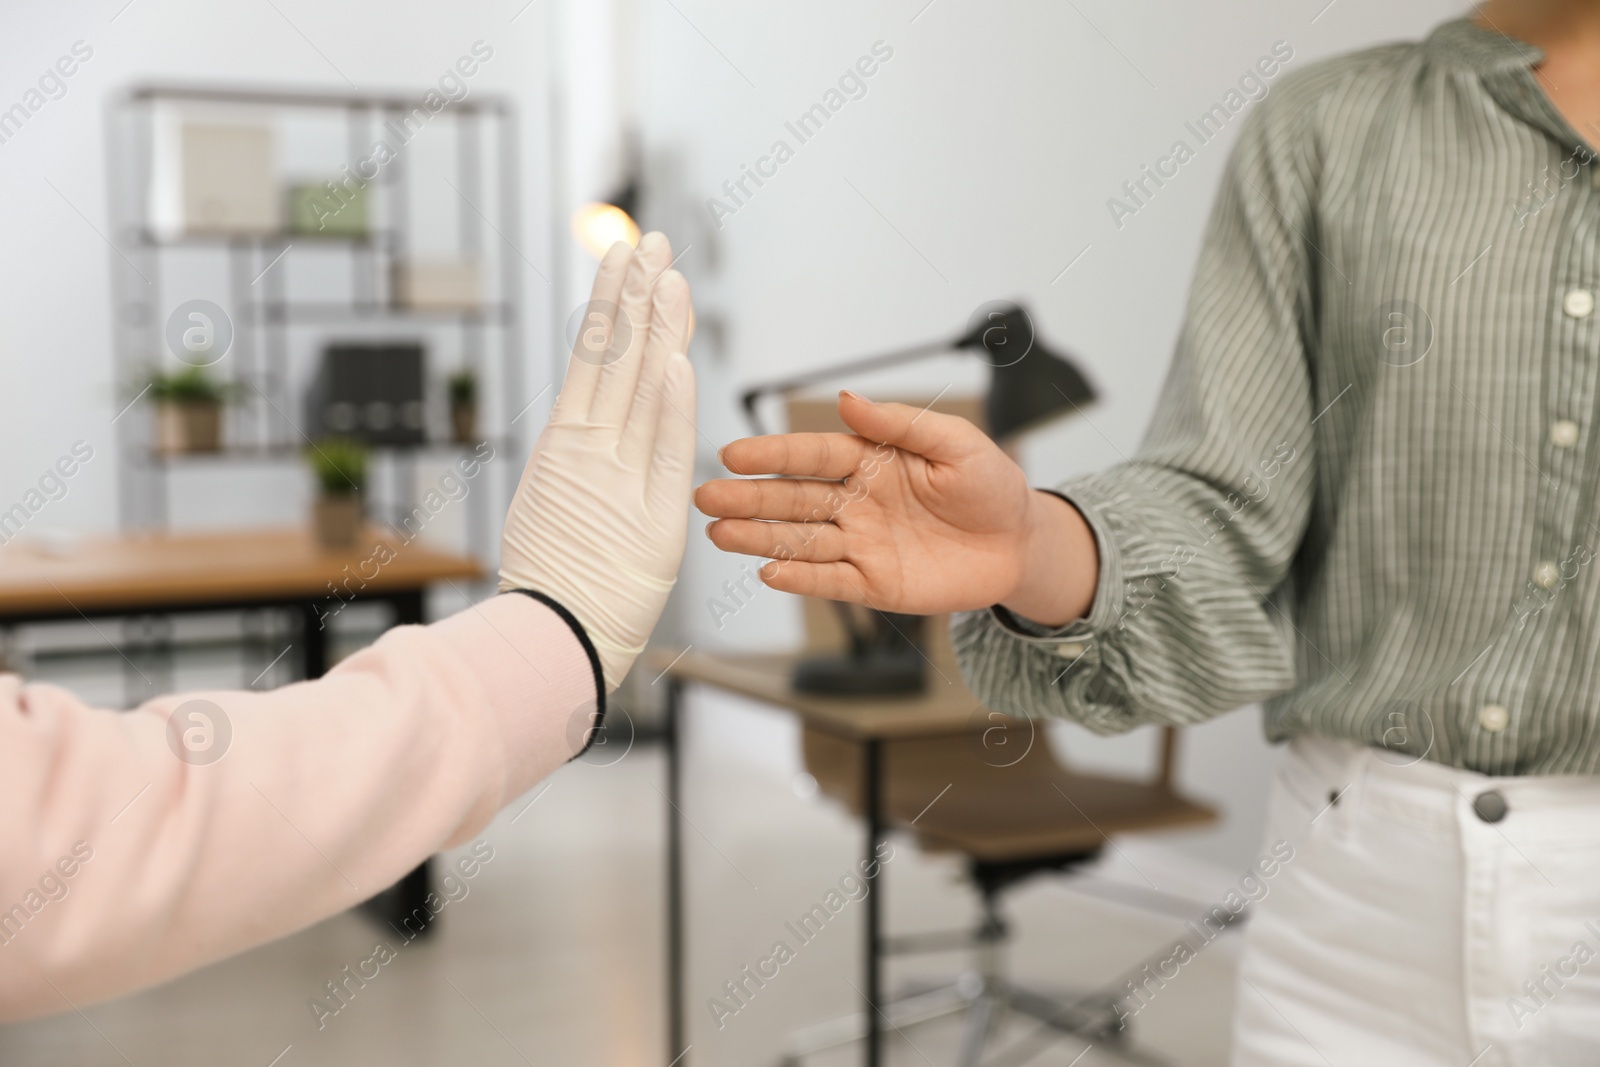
(1484, 49)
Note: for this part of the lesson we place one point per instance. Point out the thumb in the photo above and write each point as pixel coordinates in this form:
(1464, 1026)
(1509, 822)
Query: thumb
(940, 438)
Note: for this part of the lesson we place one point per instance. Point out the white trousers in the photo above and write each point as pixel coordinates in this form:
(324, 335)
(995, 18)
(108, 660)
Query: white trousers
(1409, 929)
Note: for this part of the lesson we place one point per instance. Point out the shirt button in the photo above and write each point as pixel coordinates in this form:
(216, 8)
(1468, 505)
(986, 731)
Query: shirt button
(1578, 303)
(1563, 433)
(1545, 575)
(1491, 806)
(1494, 718)
(1070, 649)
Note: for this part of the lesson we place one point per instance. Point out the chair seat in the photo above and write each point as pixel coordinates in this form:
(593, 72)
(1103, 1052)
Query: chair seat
(998, 806)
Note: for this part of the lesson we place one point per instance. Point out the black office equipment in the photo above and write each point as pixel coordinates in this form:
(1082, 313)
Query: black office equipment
(371, 393)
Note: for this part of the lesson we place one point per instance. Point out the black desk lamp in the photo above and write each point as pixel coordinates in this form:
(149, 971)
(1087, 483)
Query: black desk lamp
(1028, 385)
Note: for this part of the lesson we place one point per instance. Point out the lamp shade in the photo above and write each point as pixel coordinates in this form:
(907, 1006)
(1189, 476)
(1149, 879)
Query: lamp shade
(1029, 384)
(1033, 391)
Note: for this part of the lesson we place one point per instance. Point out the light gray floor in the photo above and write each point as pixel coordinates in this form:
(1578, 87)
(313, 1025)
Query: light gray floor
(555, 954)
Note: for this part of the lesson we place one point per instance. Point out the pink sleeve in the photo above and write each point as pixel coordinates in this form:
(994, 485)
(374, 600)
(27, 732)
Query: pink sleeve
(125, 864)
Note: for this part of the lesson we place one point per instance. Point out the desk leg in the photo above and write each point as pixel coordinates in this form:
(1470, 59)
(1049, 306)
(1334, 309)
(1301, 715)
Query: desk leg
(409, 608)
(313, 640)
(411, 895)
(677, 1024)
(872, 788)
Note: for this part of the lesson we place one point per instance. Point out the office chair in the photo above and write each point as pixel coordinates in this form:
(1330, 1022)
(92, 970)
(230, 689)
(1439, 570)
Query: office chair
(1011, 821)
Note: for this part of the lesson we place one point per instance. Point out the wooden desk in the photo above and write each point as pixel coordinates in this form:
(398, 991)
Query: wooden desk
(947, 707)
(140, 574)
(236, 570)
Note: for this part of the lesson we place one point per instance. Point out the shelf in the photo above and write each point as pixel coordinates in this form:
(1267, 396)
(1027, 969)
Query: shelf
(336, 287)
(327, 98)
(283, 453)
(150, 239)
(309, 312)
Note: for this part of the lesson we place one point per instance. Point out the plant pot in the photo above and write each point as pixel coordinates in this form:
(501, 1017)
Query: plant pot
(337, 519)
(464, 423)
(184, 426)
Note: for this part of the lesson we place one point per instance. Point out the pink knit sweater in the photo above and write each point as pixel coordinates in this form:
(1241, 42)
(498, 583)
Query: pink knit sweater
(124, 864)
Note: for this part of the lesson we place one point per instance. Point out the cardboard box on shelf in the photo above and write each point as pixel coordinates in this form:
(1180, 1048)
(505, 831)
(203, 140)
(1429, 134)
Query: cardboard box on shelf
(229, 186)
(439, 285)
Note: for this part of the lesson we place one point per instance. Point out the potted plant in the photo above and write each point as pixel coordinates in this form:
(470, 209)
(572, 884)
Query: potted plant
(341, 470)
(188, 411)
(464, 407)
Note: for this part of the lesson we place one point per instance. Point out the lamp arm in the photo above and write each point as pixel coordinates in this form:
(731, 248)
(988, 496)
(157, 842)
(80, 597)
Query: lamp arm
(749, 398)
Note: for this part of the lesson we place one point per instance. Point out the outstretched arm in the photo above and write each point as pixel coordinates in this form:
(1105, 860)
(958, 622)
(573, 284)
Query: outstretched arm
(128, 860)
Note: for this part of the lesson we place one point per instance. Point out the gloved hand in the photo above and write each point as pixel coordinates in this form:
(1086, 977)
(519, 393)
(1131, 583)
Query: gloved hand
(601, 515)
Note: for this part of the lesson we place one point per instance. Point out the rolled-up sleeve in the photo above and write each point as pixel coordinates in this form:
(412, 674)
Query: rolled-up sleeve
(1197, 533)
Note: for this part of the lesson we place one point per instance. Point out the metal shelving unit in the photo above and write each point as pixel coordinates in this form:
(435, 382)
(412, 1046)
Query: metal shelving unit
(278, 332)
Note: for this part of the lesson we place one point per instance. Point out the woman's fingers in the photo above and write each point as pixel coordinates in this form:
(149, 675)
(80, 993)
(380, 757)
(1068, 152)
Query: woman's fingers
(594, 335)
(811, 542)
(774, 499)
(619, 373)
(941, 438)
(830, 581)
(801, 455)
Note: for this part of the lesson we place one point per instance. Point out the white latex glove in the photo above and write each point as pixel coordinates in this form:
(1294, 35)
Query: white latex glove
(601, 515)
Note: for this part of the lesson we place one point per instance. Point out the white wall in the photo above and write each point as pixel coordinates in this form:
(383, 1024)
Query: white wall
(977, 166)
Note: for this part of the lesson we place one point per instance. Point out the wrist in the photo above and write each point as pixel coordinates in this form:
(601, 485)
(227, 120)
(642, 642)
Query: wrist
(1060, 564)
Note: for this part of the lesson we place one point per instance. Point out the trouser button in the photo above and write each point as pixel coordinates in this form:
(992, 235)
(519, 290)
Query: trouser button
(1490, 806)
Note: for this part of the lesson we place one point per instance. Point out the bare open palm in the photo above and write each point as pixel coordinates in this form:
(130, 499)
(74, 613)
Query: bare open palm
(915, 512)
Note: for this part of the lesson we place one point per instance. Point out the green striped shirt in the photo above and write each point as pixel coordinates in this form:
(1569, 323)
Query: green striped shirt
(1368, 495)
